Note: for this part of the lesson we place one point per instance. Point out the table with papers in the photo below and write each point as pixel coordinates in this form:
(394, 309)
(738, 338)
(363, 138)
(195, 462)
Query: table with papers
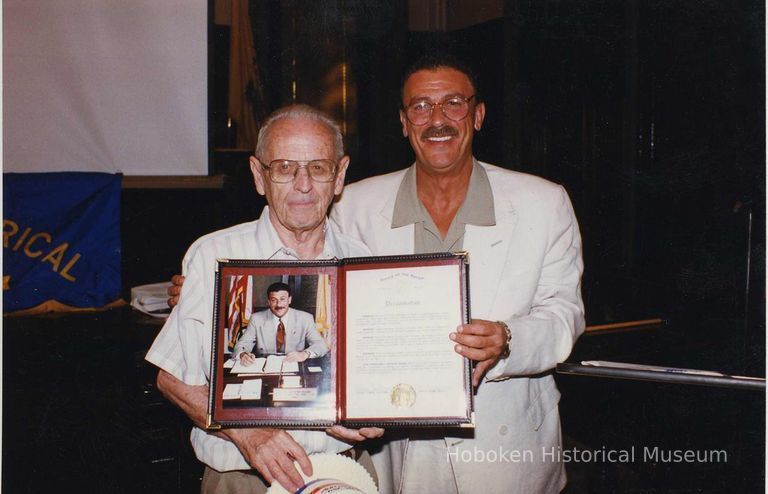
(270, 382)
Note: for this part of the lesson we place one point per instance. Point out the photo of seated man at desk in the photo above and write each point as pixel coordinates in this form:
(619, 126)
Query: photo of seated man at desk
(278, 359)
(280, 330)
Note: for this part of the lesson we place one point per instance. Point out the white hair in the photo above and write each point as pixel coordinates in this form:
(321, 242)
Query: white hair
(303, 112)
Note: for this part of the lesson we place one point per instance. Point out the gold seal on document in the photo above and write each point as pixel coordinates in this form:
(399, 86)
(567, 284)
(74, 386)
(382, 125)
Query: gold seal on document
(403, 396)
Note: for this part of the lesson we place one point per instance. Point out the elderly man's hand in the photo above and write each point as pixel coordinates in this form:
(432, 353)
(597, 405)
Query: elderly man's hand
(272, 452)
(354, 435)
(481, 341)
(175, 290)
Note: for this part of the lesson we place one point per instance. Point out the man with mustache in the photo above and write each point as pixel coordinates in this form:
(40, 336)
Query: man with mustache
(525, 274)
(280, 329)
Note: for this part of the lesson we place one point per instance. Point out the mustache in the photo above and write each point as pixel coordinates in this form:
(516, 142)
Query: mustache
(444, 131)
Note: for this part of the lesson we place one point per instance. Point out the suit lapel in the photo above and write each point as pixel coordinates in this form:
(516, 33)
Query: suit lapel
(265, 336)
(488, 248)
(389, 206)
(397, 240)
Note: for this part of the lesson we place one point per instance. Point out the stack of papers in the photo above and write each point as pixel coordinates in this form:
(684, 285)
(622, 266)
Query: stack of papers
(291, 382)
(255, 368)
(151, 299)
(273, 364)
(248, 390)
(277, 364)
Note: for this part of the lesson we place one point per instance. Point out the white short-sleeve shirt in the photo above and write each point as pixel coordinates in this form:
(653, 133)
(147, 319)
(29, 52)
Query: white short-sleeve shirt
(183, 346)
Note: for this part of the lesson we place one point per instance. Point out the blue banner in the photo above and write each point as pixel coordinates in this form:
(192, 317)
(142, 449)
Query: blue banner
(61, 241)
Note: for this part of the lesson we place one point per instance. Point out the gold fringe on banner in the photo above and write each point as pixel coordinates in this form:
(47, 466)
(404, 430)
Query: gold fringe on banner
(56, 306)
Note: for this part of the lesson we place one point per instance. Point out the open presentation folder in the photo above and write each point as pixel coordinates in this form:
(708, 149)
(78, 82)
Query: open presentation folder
(385, 322)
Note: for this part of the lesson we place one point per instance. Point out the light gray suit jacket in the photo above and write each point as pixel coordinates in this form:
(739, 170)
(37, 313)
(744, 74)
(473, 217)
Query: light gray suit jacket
(526, 271)
(300, 334)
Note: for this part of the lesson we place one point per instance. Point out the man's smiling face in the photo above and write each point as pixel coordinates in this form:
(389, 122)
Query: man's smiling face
(441, 145)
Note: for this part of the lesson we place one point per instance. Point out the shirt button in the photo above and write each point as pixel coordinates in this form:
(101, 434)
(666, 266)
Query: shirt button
(503, 430)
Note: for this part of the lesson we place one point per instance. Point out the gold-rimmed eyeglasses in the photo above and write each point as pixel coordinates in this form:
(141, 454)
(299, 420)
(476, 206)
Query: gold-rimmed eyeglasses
(454, 108)
(284, 171)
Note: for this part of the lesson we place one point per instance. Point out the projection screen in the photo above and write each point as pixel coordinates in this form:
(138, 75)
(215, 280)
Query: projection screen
(108, 86)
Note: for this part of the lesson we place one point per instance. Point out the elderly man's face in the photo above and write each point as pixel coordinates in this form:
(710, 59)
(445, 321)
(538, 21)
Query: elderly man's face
(441, 145)
(279, 302)
(302, 204)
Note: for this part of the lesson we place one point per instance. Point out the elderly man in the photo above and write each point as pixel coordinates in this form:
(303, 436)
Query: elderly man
(525, 254)
(280, 329)
(299, 166)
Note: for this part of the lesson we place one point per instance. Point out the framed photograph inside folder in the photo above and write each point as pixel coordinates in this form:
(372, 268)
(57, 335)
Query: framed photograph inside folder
(357, 341)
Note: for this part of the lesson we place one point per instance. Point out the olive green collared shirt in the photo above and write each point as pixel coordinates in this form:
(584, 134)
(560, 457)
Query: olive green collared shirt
(477, 209)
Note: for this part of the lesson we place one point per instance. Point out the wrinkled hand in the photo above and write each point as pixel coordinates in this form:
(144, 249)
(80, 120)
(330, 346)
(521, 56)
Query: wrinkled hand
(272, 452)
(247, 358)
(296, 356)
(482, 341)
(174, 290)
(354, 435)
